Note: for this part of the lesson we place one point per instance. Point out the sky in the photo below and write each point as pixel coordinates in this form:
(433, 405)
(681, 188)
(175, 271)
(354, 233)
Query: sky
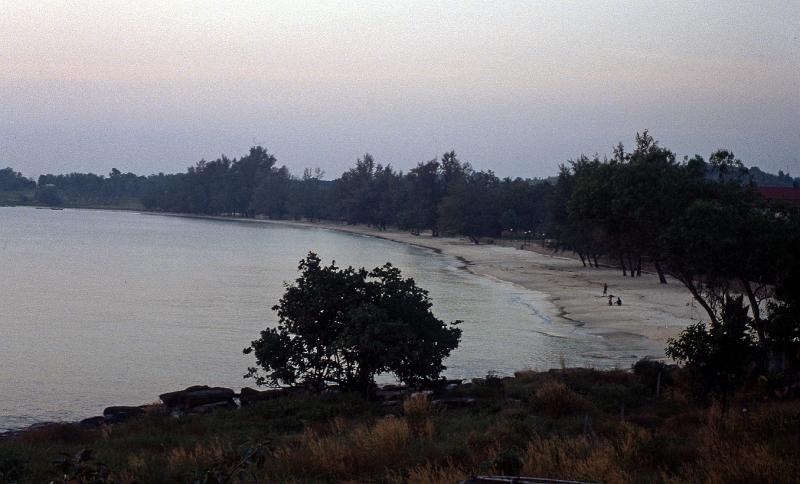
(515, 87)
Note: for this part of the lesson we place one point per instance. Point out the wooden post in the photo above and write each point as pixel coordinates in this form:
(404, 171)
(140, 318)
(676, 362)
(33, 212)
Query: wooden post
(658, 384)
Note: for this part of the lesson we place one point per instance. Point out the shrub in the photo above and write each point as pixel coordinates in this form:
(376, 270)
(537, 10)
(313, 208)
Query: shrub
(648, 372)
(719, 355)
(555, 399)
(344, 326)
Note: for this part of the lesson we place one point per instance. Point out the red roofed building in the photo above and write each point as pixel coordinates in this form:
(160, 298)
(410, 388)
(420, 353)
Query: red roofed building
(784, 194)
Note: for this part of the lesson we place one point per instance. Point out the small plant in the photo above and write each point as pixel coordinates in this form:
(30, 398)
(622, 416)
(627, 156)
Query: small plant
(80, 468)
(11, 469)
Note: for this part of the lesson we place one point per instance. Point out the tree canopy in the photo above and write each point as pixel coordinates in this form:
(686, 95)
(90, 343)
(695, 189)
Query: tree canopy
(345, 326)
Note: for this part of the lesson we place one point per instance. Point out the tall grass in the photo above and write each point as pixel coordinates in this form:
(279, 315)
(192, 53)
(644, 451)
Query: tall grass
(346, 452)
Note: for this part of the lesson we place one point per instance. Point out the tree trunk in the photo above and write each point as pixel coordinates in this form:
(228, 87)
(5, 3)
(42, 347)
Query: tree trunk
(759, 324)
(583, 261)
(687, 281)
(622, 263)
(661, 278)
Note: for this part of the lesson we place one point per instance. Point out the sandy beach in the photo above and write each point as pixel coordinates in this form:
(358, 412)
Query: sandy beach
(650, 311)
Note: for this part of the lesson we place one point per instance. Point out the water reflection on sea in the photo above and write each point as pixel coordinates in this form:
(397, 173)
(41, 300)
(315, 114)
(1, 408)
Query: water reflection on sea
(100, 308)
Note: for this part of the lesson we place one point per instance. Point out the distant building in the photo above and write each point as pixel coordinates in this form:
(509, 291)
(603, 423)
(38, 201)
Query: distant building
(783, 194)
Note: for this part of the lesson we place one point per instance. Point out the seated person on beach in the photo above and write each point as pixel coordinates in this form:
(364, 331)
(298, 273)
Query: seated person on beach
(619, 302)
(610, 299)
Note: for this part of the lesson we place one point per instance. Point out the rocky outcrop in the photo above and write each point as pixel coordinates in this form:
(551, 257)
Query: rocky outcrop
(249, 396)
(211, 407)
(195, 396)
(118, 414)
(203, 399)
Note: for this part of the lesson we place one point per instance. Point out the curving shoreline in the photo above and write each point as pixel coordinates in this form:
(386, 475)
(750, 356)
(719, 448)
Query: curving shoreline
(650, 310)
(650, 314)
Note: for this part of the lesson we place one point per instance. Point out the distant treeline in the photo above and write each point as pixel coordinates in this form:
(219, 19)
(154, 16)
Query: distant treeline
(596, 207)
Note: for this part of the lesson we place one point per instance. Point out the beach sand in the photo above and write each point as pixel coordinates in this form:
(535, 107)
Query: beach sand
(650, 313)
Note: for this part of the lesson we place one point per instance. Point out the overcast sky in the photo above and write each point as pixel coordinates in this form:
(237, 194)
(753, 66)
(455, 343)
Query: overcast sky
(517, 87)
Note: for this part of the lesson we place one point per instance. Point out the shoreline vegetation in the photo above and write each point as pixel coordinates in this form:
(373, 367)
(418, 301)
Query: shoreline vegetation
(614, 426)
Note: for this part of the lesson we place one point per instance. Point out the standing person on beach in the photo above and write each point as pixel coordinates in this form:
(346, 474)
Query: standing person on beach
(605, 289)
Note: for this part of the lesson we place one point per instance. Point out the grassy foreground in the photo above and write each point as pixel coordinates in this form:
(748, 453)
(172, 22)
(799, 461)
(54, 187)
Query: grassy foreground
(599, 426)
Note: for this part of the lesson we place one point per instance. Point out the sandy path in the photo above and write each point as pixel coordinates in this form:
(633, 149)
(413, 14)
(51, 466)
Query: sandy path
(650, 310)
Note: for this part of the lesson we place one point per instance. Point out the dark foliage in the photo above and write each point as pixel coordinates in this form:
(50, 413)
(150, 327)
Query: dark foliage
(344, 326)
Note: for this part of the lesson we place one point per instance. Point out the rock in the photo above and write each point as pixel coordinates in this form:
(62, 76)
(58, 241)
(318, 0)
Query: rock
(383, 394)
(393, 388)
(42, 425)
(195, 396)
(455, 402)
(249, 395)
(121, 413)
(92, 422)
(426, 394)
(204, 397)
(175, 399)
(442, 384)
(210, 407)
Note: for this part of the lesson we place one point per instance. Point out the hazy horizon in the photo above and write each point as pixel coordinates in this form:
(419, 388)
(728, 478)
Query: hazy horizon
(516, 87)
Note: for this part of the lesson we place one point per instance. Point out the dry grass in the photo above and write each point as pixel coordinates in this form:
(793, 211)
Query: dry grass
(447, 473)
(418, 411)
(581, 458)
(345, 454)
(197, 457)
(555, 399)
(737, 448)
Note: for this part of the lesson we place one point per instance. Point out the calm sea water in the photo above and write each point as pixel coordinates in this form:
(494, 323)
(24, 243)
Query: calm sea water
(100, 308)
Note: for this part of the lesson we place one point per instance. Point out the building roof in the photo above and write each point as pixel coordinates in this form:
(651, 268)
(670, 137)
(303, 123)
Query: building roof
(787, 194)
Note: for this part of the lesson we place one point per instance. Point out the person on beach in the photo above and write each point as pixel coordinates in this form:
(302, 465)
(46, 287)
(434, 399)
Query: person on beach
(605, 289)
(610, 297)
(619, 302)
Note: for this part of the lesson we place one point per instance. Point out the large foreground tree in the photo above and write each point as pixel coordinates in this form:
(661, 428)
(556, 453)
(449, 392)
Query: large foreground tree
(344, 326)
